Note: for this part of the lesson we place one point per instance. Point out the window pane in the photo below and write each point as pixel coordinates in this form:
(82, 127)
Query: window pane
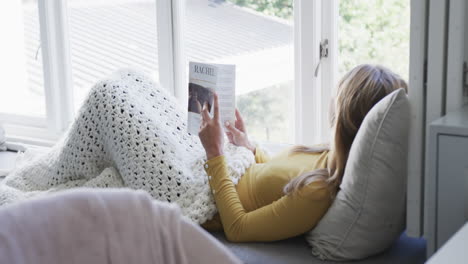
(107, 35)
(256, 36)
(22, 87)
(374, 32)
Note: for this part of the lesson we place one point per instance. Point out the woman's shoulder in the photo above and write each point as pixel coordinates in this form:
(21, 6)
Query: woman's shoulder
(321, 150)
(317, 190)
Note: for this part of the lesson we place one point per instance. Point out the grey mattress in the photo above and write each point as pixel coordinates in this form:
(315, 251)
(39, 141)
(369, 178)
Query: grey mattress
(296, 250)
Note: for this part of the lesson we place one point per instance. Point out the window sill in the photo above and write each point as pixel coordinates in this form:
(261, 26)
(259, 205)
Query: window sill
(29, 136)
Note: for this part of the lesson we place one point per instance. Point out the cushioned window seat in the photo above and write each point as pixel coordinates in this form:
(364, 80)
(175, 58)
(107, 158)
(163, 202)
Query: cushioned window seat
(297, 251)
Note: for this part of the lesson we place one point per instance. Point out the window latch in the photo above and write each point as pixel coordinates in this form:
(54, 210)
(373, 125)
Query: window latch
(323, 54)
(37, 51)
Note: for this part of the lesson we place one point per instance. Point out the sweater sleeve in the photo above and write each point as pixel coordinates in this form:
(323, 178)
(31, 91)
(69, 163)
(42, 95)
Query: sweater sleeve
(289, 216)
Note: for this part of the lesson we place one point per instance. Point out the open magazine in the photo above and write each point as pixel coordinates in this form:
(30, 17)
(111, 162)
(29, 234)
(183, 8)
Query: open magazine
(204, 80)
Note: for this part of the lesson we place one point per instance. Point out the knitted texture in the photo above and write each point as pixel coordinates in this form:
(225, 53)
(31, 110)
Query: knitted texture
(129, 133)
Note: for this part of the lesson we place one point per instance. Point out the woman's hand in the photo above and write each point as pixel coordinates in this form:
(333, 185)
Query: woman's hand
(211, 131)
(237, 133)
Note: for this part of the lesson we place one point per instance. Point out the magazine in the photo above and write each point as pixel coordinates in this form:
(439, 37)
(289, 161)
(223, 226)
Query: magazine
(204, 81)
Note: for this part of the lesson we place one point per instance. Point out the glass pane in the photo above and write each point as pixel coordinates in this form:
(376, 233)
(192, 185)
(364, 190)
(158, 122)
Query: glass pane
(256, 36)
(22, 87)
(108, 35)
(374, 32)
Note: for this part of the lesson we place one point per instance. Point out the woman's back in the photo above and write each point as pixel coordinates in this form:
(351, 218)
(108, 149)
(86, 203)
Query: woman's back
(257, 208)
(263, 183)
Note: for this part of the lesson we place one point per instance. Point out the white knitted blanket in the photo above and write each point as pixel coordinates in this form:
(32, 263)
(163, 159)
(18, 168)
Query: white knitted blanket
(129, 133)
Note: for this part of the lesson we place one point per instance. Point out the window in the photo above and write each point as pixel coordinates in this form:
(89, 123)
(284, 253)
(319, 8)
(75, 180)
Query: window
(58, 49)
(258, 38)
(109, 35)
(22, 92)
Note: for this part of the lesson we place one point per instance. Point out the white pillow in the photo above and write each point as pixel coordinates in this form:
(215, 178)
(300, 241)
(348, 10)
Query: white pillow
(368, 214)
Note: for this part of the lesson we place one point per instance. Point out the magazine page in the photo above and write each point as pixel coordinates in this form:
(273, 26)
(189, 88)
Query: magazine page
(204, 80)
(225, 88)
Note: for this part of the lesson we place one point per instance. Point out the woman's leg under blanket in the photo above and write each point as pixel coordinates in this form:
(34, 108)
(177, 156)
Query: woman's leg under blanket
(133, 125)
(127, 122)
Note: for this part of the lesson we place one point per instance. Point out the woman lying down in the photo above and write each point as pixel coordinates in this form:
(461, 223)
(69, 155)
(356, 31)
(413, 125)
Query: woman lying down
(130, 133)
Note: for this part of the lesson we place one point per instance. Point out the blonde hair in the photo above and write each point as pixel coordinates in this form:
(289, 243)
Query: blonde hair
(358, 91)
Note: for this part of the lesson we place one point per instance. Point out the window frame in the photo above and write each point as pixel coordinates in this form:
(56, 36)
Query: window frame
(57, 81)
(172, 68)
(311, 94)
(416, 95)
(57, 71)
(53, 17)
(330, 31)
(314, 21)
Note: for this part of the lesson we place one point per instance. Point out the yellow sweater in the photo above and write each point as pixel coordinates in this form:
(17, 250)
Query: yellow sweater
(257, 209)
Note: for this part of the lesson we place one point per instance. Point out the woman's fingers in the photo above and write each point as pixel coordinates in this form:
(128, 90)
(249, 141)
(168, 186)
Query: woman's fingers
(198, 106)
(230, 137)
(239, 121)
(216, 107)
(204, 113)
(238, 115)
(232, 129)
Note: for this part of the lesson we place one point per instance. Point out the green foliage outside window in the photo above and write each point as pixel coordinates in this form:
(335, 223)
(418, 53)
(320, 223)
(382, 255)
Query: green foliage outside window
(277, 8)
(266, 112)
(375, 32)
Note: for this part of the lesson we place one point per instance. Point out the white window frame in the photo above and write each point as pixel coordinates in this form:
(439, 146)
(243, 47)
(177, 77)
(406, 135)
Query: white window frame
(329, 73)
(57, 73)
(27, 130)
(57, 65)
(57, 81)
(172, 62)
(313, 21)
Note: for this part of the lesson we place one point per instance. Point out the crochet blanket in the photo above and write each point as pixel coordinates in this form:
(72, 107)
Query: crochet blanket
(129, 133)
